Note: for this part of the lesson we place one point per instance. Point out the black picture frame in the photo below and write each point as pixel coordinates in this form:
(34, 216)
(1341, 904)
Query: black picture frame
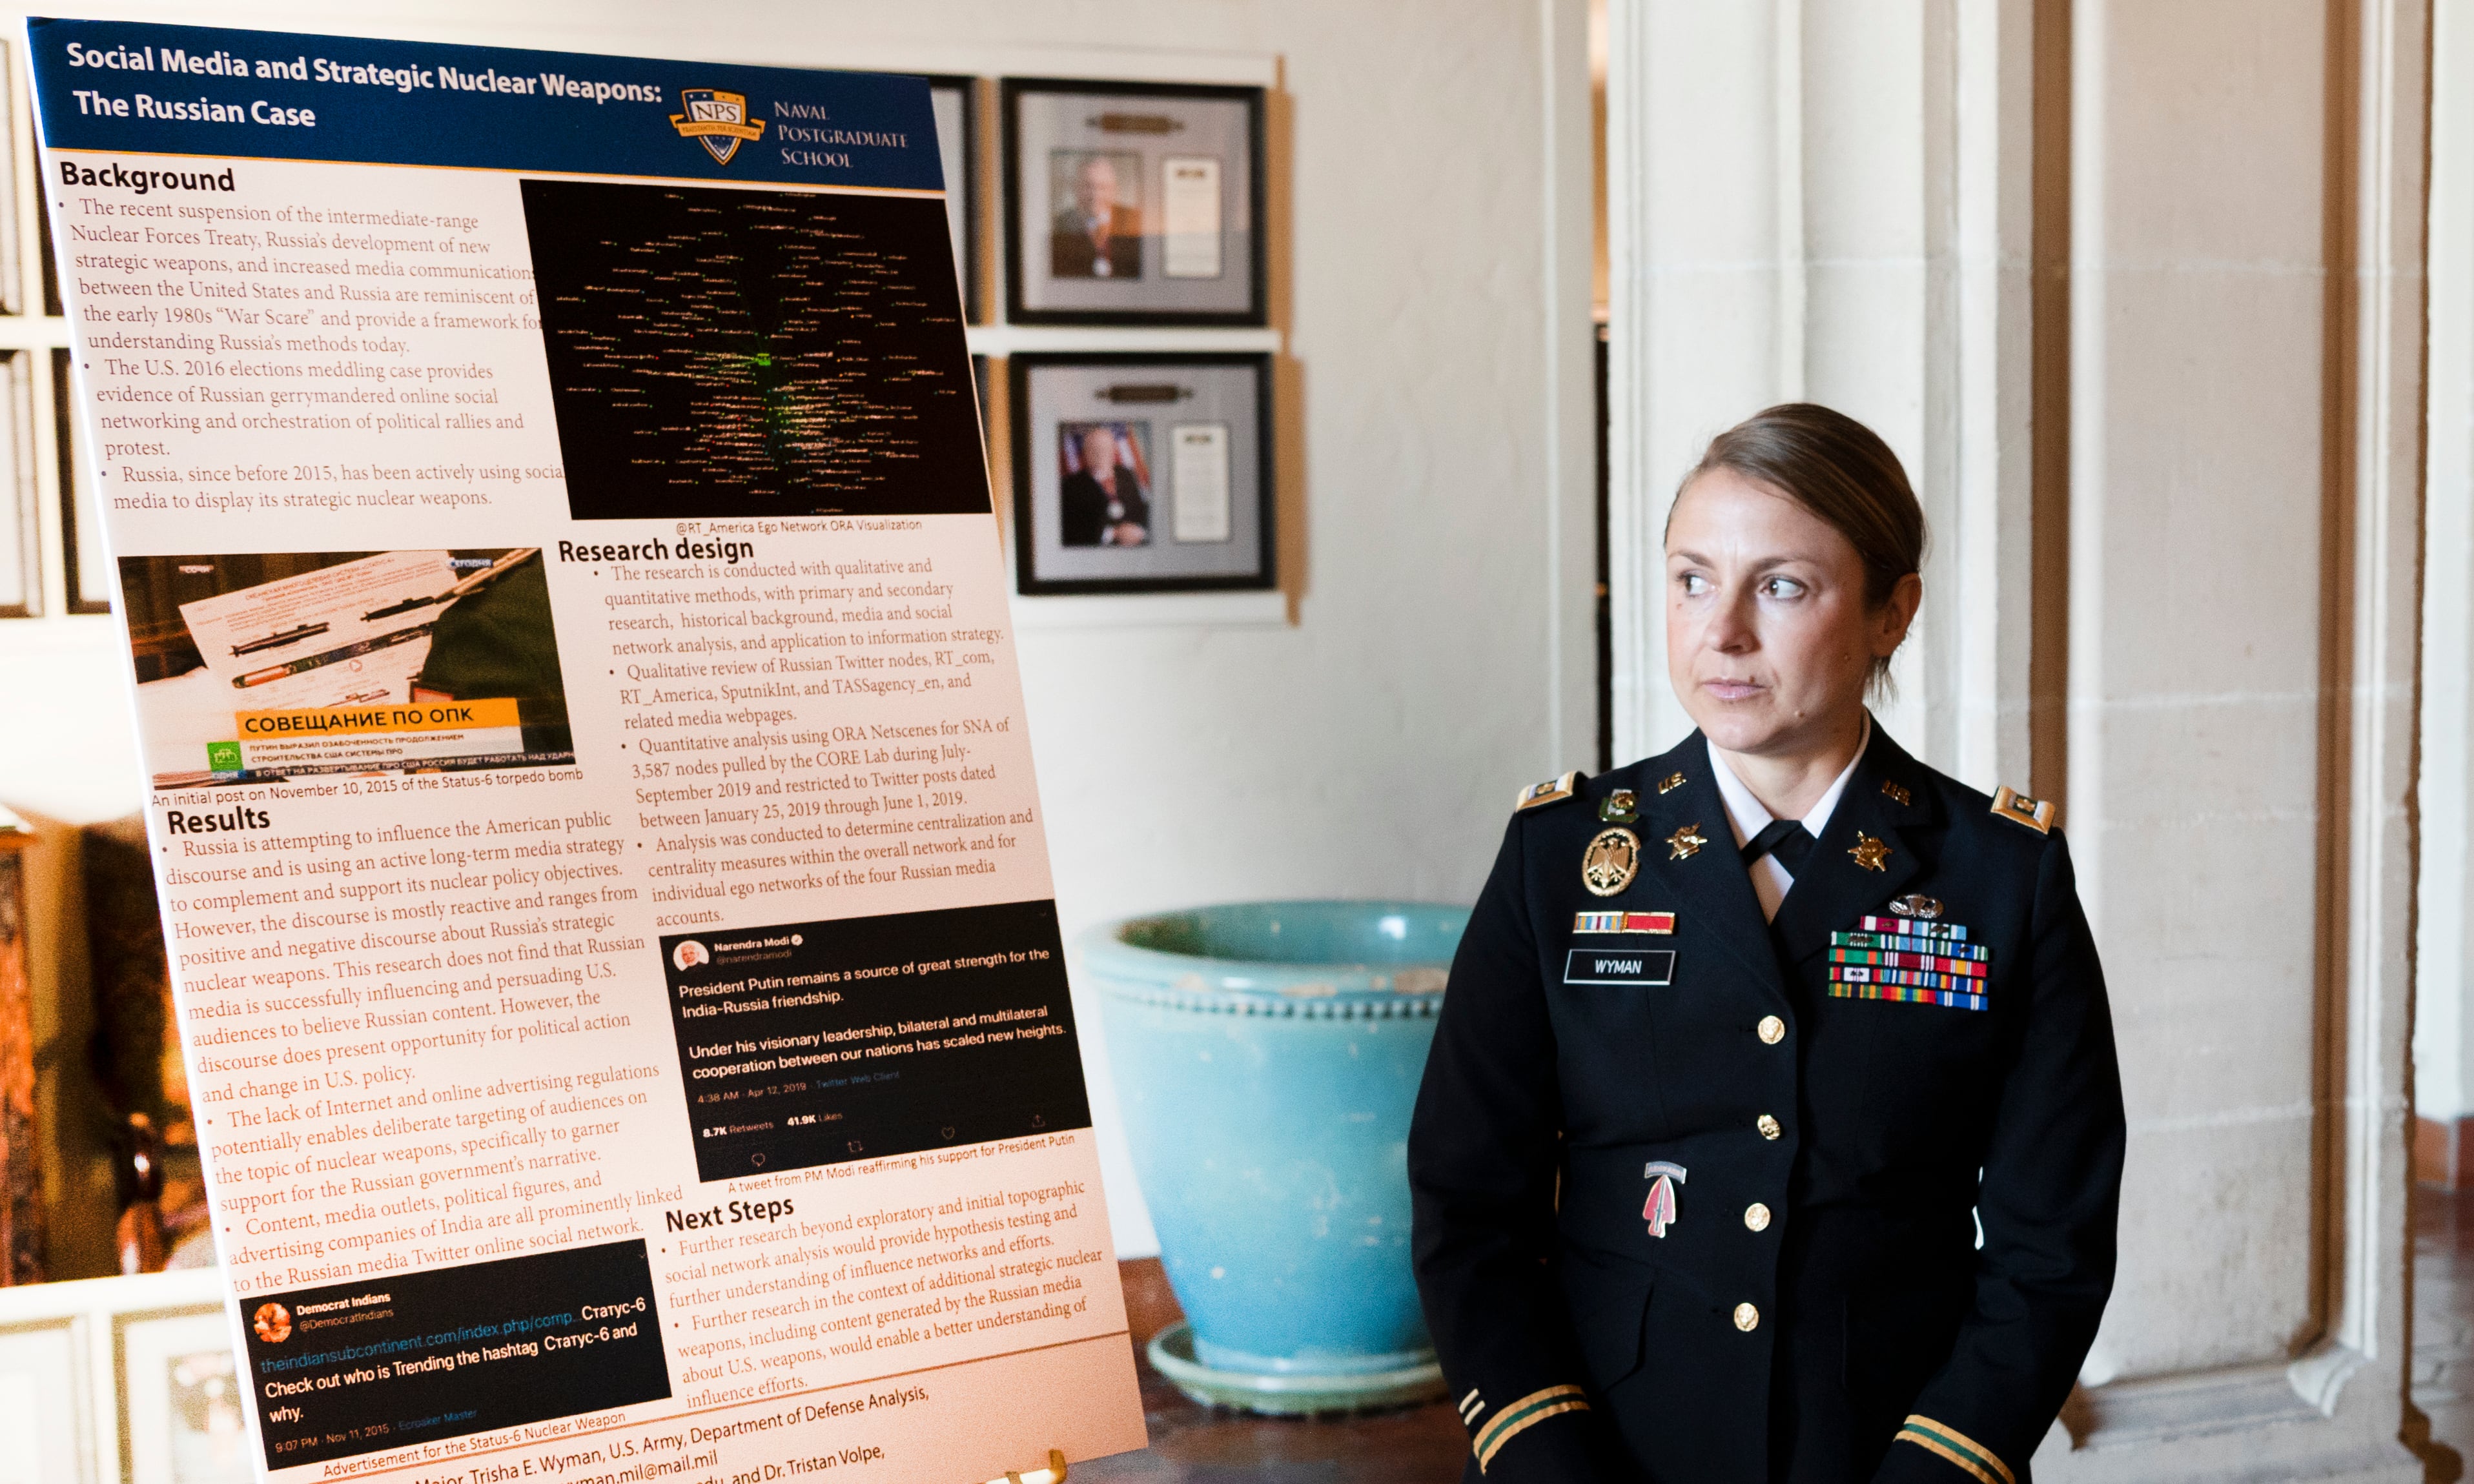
(969, 262)
(1015, 95)
(1033, 441)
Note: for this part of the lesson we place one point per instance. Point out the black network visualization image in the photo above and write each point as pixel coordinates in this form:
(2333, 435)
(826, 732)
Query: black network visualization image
(729, 352)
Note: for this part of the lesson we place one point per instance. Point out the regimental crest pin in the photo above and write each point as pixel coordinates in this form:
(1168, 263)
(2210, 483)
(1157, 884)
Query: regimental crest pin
(1611, 861)
(1870, 853)
(1659, 1211)
(717, 120)
(1622, 807)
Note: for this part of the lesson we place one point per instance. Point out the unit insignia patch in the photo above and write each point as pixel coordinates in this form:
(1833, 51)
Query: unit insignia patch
(1659, 1211)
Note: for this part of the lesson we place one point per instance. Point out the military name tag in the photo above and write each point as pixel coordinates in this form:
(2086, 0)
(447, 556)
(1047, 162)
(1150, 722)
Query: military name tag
(1649, 969)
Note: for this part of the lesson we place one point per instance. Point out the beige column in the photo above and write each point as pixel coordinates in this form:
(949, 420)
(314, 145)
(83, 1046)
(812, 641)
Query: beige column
(1801, 205)
(1826, 201)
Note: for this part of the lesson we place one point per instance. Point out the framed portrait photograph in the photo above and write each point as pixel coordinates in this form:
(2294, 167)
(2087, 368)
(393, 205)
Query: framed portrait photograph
(1132, 203)
(182, 1396)
(957, 104)
(40, 1403)
(1140, 472)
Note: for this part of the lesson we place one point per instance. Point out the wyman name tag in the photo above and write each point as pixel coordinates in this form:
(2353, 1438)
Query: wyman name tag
(1648, 967)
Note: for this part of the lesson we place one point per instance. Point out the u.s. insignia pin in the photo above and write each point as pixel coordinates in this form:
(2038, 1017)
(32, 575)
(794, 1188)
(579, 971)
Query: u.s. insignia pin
(1659, 1211)
(1610, 861)
(1870, 853)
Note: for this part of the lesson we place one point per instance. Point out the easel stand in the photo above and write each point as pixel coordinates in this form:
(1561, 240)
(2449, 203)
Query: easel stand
(1053, 1474)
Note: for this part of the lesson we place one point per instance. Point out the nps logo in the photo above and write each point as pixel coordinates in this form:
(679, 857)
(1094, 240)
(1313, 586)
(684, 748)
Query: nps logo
(718, 118)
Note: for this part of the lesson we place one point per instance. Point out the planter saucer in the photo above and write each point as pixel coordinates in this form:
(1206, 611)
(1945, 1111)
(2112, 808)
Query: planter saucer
(1288, 1394)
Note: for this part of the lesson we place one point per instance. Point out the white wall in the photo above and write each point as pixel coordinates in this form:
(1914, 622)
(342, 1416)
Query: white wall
(2443, 1088)
(1439, 653)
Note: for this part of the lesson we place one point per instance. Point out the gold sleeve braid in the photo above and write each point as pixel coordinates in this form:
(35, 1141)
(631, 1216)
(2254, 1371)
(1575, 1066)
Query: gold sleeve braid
(1956, 1446)
(1522, 1416)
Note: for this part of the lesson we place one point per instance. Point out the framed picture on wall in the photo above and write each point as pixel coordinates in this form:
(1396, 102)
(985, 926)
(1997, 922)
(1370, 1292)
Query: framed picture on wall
(1132, 203)
(957, 104)
(1140, 472)
(181, 1396)
(40, 1368)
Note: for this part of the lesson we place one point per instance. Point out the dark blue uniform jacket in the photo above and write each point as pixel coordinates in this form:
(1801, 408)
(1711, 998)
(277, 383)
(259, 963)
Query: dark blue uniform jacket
(1856, 1326)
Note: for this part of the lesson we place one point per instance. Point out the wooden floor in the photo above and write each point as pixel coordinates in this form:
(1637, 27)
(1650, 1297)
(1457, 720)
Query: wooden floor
(1198, 1444)
(2444, 1323)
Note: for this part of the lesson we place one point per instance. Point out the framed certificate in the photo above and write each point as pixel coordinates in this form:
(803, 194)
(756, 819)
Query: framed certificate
(1141, 474)
(956, 101)
(1132, 203)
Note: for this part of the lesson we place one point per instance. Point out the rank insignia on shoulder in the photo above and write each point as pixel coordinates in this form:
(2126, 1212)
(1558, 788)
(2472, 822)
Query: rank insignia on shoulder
(2018, 808)
(1669, 784)
(1552, 791)
(1622, 807)
(1896, 793)
(1609, 864)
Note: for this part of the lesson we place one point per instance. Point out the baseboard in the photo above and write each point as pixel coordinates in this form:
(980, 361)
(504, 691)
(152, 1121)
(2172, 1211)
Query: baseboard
(2443, 1152)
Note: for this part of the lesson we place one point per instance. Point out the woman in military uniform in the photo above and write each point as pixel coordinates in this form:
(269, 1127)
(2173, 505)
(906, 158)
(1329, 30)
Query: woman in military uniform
(1772, 1131)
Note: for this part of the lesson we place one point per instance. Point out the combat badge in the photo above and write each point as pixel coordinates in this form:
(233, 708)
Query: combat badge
(1683, 843)
(1916, 905)
(1622, 807)
(2018, 808)
(1659, 1211)
(1870, 853)
(1610, 861)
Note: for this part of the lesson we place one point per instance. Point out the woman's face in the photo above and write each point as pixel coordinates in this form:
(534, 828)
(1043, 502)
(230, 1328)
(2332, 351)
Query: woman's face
(1768, 639)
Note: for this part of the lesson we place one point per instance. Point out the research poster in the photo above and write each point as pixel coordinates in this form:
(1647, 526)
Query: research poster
(605, 883)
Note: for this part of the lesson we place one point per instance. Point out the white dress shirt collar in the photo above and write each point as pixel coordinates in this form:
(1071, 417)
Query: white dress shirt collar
(1747, 817)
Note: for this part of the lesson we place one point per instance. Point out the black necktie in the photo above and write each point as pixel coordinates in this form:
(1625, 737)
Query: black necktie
(1786, 838)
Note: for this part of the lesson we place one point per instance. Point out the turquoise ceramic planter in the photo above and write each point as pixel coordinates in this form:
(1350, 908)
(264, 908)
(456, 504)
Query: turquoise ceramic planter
(1267, 1055)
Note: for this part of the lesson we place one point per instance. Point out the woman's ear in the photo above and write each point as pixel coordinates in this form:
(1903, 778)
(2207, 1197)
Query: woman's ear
(1891, 620)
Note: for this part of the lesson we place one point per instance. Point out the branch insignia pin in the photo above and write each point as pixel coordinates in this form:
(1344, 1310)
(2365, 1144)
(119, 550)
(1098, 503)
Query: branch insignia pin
(1685, 842)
